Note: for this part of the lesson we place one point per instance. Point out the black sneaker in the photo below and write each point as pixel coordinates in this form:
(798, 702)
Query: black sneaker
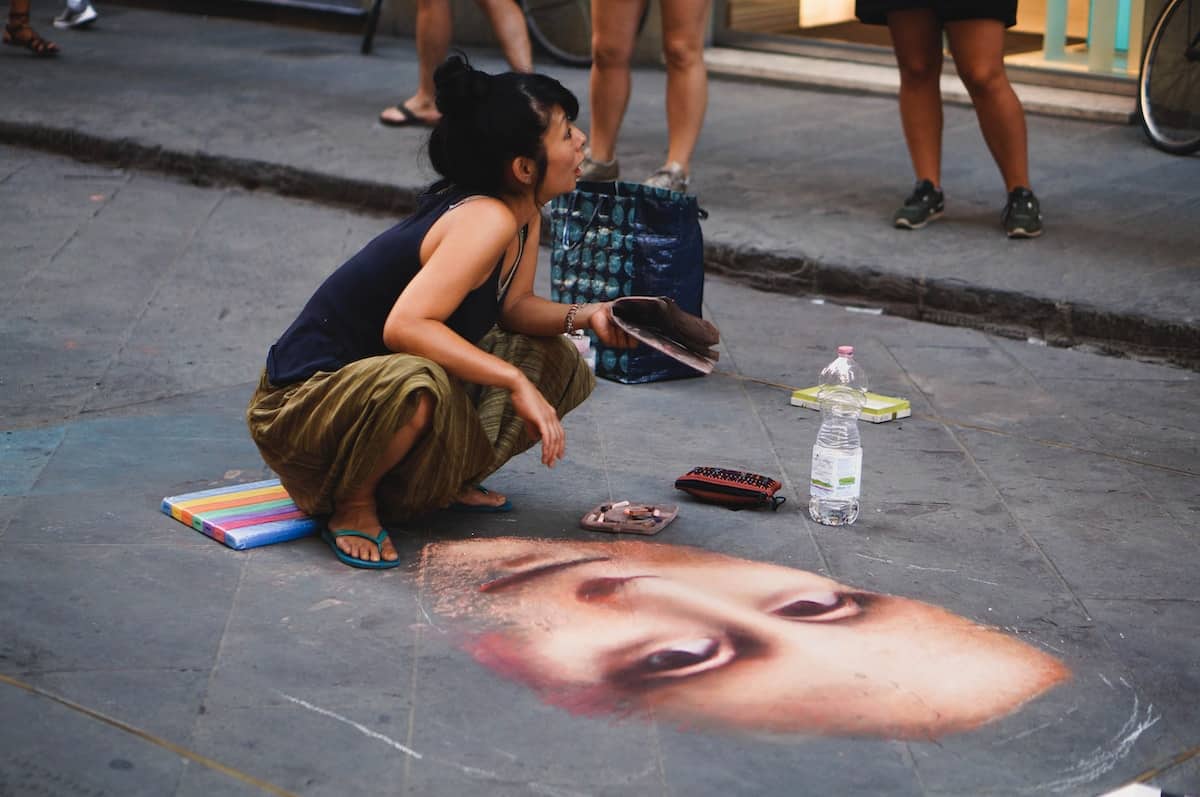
(1022, 214)
(922, 206)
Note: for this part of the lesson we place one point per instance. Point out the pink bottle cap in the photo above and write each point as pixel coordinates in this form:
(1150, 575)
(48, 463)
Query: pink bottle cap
(845, 351)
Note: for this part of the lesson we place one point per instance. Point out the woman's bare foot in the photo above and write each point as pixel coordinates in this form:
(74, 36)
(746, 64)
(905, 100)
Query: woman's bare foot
(477, 496)
(362, 519)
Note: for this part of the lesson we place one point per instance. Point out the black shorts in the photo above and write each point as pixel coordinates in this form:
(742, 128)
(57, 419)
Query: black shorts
(874, 12)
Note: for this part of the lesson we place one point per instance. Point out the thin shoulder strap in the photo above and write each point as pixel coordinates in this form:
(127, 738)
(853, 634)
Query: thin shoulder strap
(503, 288)
(464, 201)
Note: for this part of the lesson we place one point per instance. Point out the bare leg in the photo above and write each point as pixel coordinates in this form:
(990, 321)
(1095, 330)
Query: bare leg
(614, 29)
(357, 509)
(917, 39)
(687, 79)
(434, 28)
(978, 48)
(509, 24)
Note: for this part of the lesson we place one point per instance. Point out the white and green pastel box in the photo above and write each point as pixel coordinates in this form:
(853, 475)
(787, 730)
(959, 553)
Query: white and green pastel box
(877, 409)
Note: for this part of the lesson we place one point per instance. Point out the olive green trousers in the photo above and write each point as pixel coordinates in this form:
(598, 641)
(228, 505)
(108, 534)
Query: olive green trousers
(325, 435)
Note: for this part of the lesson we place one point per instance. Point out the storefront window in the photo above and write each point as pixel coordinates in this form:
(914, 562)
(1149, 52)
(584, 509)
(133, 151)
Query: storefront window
(1096, 36)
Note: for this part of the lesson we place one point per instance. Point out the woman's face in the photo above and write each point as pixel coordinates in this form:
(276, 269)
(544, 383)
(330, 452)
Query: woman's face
(709, 639)
(563, 142)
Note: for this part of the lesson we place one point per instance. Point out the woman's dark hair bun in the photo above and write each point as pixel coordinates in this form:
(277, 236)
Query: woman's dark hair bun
(460, 86)
(487, 120)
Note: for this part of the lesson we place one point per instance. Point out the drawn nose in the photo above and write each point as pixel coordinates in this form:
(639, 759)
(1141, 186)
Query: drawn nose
(666, 597)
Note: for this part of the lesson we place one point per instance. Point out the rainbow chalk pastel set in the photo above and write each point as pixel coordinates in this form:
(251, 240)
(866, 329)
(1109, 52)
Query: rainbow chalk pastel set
(243, 515)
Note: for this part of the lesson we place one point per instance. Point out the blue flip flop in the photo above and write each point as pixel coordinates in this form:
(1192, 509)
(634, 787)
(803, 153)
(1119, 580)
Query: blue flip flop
(507, 506)
(331, 538)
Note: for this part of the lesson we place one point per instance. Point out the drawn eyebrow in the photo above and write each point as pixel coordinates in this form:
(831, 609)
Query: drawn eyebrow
(504, 582)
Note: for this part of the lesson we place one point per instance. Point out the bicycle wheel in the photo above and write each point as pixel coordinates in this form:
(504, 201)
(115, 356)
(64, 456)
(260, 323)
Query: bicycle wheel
(1169, 88)
(561, 28)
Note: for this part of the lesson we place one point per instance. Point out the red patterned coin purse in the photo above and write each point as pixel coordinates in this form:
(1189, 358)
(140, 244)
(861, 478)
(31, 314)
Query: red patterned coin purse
(735, 489)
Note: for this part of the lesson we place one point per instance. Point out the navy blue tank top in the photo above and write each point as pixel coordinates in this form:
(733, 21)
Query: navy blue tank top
(343, 321)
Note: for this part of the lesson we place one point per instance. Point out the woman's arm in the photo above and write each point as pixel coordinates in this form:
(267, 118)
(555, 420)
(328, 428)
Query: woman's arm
(459, 254)
(529, 314)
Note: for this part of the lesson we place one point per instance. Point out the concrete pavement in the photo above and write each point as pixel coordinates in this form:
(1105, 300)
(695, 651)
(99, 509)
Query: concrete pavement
(800, 183)
(1045, 492)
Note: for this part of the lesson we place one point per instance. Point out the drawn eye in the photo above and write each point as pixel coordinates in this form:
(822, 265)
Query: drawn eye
(681, 659)
(687, 654)
(819, 607)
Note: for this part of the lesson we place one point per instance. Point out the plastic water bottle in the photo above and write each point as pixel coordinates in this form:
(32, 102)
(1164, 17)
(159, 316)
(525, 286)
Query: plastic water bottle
(836, 476)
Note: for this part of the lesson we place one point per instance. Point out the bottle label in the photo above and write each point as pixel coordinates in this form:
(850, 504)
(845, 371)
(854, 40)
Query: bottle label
(836, 474)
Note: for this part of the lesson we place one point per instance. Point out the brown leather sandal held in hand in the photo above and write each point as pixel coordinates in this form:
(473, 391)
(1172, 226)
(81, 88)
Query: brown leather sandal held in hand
(17, 33)
(658, 322)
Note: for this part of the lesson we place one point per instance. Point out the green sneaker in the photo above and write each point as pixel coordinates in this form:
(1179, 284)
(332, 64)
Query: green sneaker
(922, 206)
(1022, 214)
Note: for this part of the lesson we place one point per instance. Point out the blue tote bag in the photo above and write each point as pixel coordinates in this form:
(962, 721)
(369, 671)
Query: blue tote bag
(614, 239)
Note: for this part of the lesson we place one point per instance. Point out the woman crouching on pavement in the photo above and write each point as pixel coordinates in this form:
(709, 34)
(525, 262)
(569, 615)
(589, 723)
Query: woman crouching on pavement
(425, 362)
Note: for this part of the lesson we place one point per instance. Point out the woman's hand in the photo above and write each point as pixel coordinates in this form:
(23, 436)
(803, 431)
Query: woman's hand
(601, 322)
(541, 418)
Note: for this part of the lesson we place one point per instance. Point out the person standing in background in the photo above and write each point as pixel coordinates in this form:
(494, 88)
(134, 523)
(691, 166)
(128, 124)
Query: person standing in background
(614, 32)
(975, 32)
(17, 32)
(76, 14)
(435, 25)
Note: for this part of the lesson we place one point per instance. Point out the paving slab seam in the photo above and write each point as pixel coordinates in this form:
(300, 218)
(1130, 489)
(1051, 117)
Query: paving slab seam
(809, 526)
(201, 709)
(906, 753)
(132, 730)
(1166, 766)
(604, 462)
(1064, 584)
(114, 409)
(31, 274)
(659, 763)
(163, 276)
(1076, 598)
(1139, 599)
(20, 168)
(410, 730)
(960, 424)
(1132, 474)
(948, 302)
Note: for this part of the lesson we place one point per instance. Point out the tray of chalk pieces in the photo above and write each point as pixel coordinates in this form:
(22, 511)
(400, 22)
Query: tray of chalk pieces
(628, 517)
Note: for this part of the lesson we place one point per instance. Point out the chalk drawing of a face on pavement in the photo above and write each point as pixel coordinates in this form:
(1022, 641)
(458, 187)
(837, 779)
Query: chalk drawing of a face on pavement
(705, 640)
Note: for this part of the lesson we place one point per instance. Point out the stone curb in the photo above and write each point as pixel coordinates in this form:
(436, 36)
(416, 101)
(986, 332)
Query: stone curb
(203, 169)
(955, 303)
(939, 301)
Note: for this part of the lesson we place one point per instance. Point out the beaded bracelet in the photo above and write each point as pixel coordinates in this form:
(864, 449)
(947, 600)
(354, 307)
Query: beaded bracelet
(569, 322)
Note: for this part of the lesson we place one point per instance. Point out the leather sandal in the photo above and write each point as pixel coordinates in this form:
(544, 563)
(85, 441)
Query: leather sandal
(17, 33)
